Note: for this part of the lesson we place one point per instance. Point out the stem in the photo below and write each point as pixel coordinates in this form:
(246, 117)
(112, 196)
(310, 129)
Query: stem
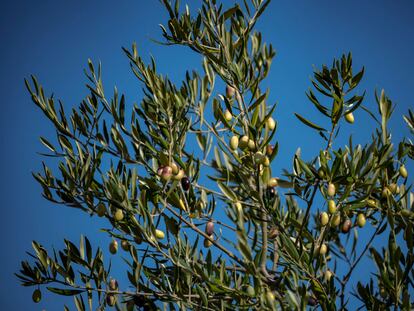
(351, 269)
(310, 202)
(263, 224)
(196, 229)
(275, 255)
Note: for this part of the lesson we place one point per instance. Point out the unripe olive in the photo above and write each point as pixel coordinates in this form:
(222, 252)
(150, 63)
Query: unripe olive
(328, 275)
(113, 247)
(383, 292)
(271, 124)
(230, 91)
(336, 220)
(323, 249)
(386, 192)
(331, 189)
(361, 220)
(393, 188)
(227, 115)
(270, 298)
(110, 300)
(185, 183)
(250, 291)
(37, 296)
(209, 228)
(113, 284)
(119, 214)
(266, 161)
(125, 245)
(174, 168)
(234, 142)
(324, 218)
(159, 234)
(101, 209)
(321, 173)
(371, 203)
(349, 117)
(244, 141)
(331, 207)
(251, 144)
(258, 157)
(346, 226)
(166, 173)
(269, 150)
(403, 171)
(272, 182)
(179, 175)
(207, 243)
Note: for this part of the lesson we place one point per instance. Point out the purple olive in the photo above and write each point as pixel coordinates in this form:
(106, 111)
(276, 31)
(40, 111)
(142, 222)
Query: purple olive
(312, 301)
(271, 192)
(210, 228)
(346, 226)
(185, 183)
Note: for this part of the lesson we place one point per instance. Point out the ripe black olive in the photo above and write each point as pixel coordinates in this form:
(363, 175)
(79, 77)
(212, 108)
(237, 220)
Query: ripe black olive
(185, 183)
(271, 192)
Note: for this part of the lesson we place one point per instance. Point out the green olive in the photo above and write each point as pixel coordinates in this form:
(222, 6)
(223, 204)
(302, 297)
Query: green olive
(250, 291)
(324, 218)
(323, 249)
(228, 116)
(331, 207)
(244, 141)
(119, 215)
(361, 220)
(207, 242)
(336, 220)
(272, 182)
(159, 234)
(37, 296)
(403, 171)
(349, 117)
(234, 142)
(328, 275)
(271, 124)
(270, 298)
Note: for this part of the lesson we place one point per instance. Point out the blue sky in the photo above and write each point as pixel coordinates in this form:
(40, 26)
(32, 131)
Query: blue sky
(53, 40)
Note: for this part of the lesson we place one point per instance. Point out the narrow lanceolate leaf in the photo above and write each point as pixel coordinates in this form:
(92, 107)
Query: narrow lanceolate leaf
(227, 191)
(309, 123)
(65, 292)
(257, 102)
(47, 144)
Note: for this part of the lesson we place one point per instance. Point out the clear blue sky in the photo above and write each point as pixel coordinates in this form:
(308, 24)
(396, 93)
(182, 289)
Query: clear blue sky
(54, 39)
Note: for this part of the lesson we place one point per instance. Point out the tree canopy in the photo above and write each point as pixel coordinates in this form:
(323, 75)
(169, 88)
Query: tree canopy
(184, 180)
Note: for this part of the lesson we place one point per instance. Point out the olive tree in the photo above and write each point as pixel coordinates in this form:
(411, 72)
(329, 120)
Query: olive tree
(184, 179)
